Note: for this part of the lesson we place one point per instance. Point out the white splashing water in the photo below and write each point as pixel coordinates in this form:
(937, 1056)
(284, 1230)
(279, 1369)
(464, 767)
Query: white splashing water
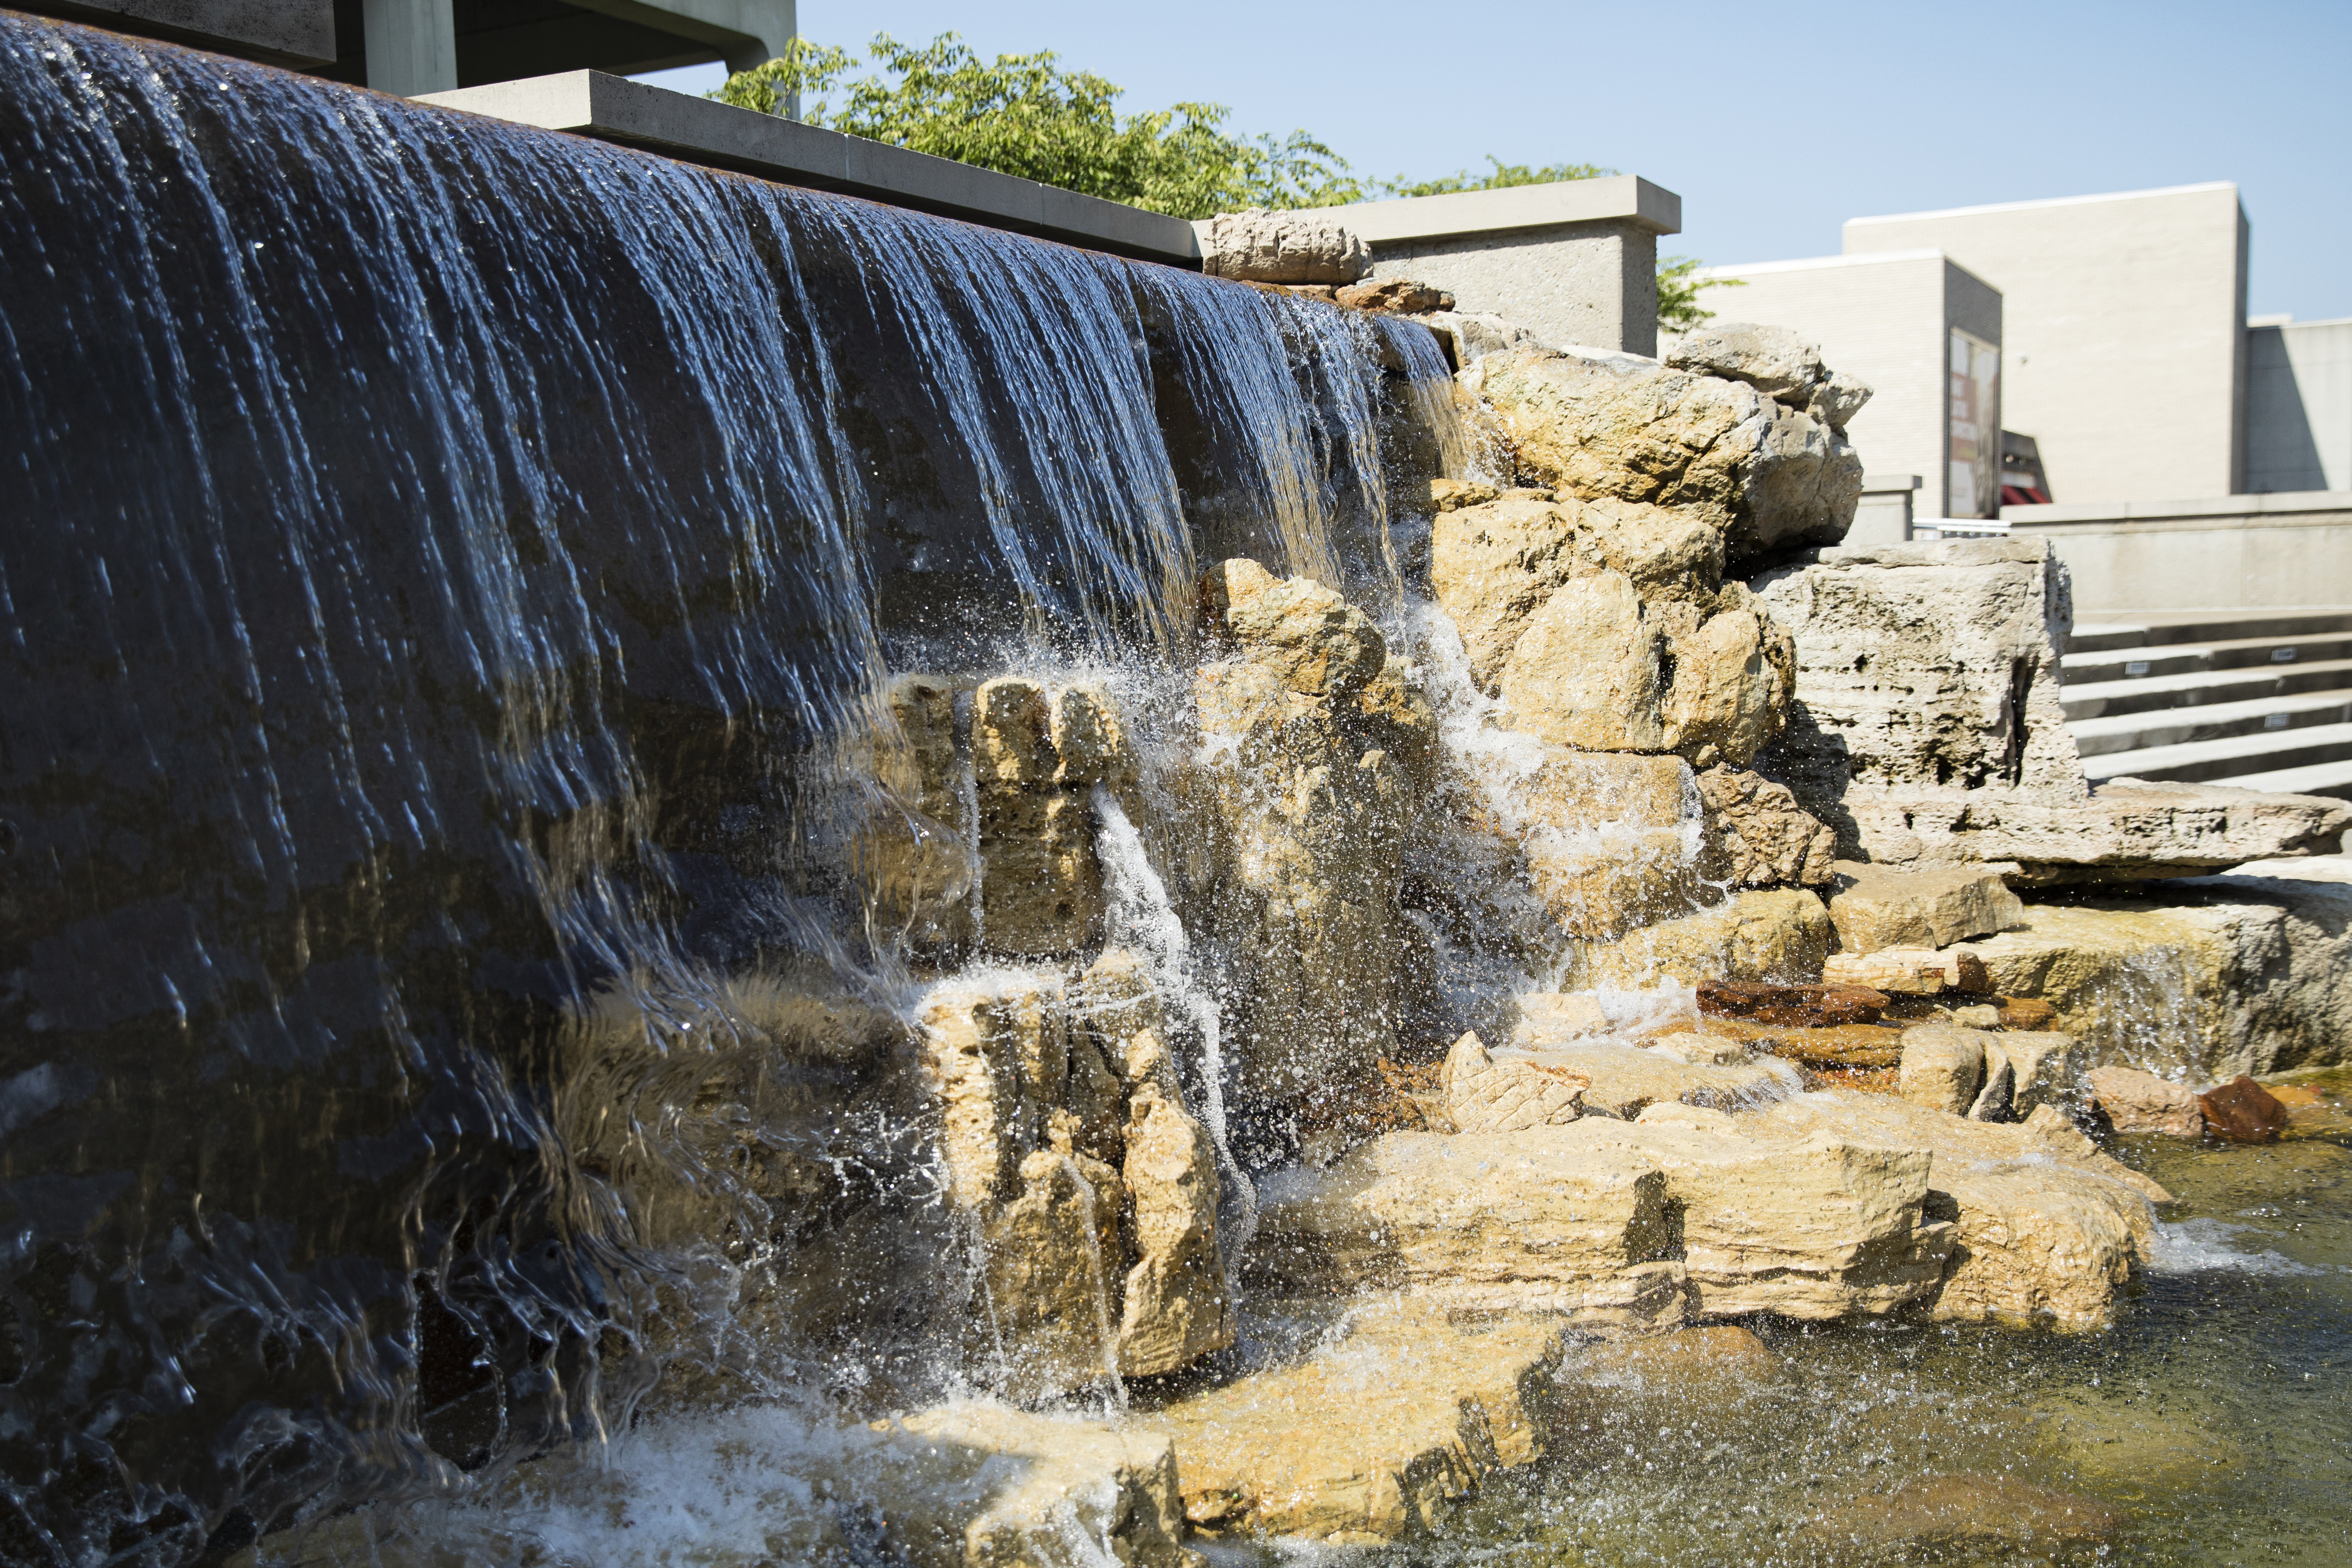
(1143, 917)
(2202, 1245)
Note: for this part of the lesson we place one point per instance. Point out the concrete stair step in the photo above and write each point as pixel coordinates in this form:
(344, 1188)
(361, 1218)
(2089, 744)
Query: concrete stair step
(2318, 778)
(2226, 759)
(2184, 658)
(2214, 722)
(2202, 687)
(2159, 628)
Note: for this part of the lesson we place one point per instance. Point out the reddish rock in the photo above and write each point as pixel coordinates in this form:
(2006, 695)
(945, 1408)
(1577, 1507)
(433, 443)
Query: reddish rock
(2025, 1013)
(2243, 1111)
(1398, 294)
(1799, 1006)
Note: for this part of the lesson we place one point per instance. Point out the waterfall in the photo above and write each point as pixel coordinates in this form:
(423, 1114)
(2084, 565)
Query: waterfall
(447, 552)
(1142, 916)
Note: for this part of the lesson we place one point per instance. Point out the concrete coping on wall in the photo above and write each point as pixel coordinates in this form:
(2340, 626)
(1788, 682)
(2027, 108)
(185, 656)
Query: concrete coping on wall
(1880, 484)
(2280, 508)
(696, 129)
(1615, 198)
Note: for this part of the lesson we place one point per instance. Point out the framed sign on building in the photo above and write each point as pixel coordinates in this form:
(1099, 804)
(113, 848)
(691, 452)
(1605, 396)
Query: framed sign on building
(1973, 487)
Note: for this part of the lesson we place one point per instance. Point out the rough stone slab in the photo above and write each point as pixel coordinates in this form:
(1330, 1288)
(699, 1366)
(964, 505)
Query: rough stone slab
(1909, 971)
(2050, 1228)
(1377, 1437)
(1760, 933)
(1532, 1221)
(1818, 1229)
(2221, 976)
(1621, 1078)
(1888, 905)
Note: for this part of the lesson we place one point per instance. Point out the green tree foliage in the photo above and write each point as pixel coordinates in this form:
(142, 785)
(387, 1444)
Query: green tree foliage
(1678, 307)
(1024, 114)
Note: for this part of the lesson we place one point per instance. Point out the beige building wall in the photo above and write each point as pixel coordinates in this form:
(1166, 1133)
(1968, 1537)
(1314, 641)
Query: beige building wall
(1888, 320)
(2125, 320)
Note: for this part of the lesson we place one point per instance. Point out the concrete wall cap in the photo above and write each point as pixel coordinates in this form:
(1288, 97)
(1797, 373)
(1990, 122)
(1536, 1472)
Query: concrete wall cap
(703, 130)
(1879, 484)
(1621, 198)
(2248, 510)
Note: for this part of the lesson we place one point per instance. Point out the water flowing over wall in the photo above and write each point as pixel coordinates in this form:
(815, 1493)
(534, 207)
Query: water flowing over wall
(437, 549)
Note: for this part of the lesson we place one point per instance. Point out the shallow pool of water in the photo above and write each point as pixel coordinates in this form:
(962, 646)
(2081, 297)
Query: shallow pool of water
(2214, 1419)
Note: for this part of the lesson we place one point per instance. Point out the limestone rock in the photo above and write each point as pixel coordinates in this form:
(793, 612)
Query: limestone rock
(1262, 246)
(979, 1485)
(2137, 1101)
(1176, 1309)
(1377, 1437)
(1818, 1229)
(1041, 884)
(1619, 1080)
(1320, 644)
(2042, 1067)
(1806, 1006)
(1090, 745)
(2050, 1228)
(1041, 888)
(1092, 1191)
(1531, 1221)
(1773, 360)
(2247, 975)
(1625, 428)
(1601, 624)
(1780, 934)
(1400, 296)
(1317, 752)
(1942, 1068)
(1910, 971)
(1048, 1300)
(1888, 906)
(1732, 677)
(1483, 1095)
(916, 856)
(1802, 487)
(1759, 834)
(1837, 400)
(1478, 333)
(1927, 728)
(1584, 671)
(2243, 1111)
(1770, 477)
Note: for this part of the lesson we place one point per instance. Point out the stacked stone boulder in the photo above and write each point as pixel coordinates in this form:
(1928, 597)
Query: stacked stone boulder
(1926, 728)
(1090, 1189)
(1317, 752)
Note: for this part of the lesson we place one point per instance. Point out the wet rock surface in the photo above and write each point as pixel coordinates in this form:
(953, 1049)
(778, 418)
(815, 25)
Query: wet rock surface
(1379, 1434)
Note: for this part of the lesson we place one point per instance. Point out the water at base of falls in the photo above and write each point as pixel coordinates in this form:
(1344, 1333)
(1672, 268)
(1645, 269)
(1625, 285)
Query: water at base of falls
(443, 556)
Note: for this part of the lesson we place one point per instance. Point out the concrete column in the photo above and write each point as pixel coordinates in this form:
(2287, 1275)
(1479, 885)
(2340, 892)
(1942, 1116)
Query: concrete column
(412, 47)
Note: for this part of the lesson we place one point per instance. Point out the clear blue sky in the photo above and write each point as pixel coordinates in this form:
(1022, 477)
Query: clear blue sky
(1775, 123)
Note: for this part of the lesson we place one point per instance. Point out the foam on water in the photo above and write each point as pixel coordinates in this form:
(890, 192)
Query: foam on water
(2200, 1245)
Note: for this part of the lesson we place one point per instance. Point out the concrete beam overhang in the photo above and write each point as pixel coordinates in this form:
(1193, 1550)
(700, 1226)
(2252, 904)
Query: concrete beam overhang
(295, 33)
(1619, 198)
(720, 135)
